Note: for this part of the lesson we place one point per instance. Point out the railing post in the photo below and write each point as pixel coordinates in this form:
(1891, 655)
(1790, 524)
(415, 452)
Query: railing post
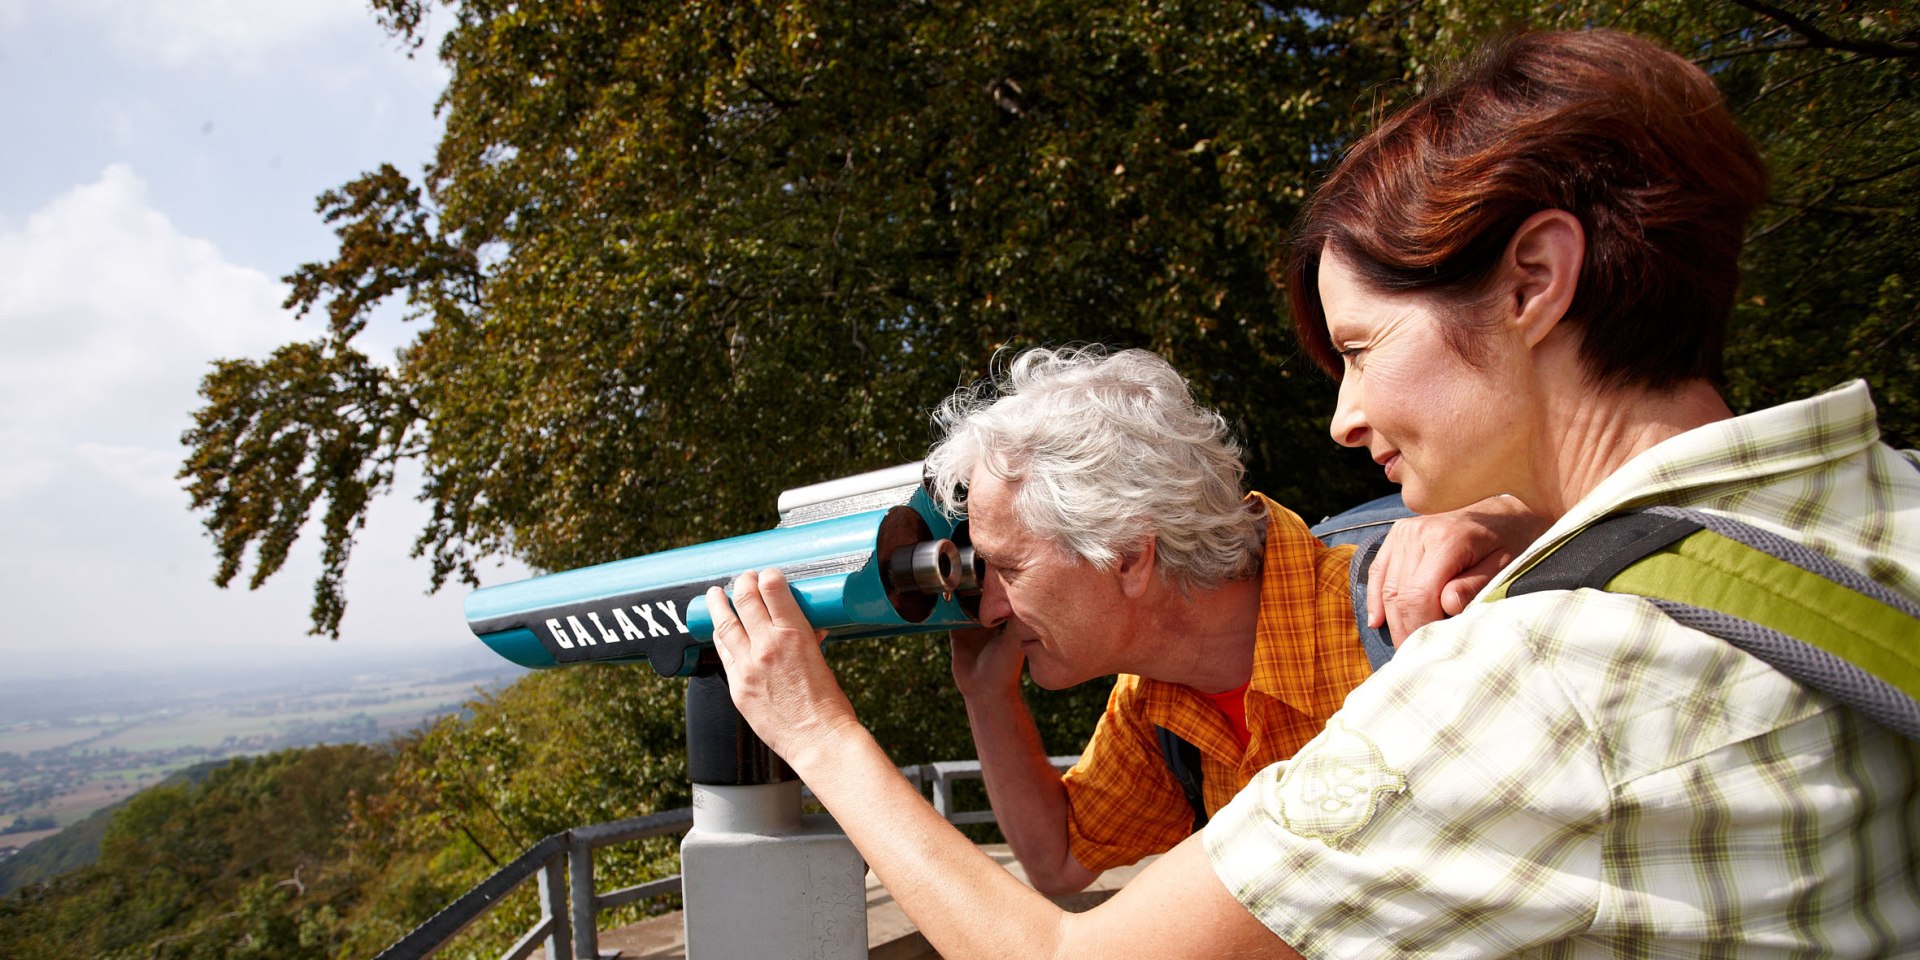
(942, 792)
(581, 893)
(553, 906)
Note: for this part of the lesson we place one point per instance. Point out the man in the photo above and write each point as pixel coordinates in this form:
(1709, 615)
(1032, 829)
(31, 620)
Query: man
(1107, 506)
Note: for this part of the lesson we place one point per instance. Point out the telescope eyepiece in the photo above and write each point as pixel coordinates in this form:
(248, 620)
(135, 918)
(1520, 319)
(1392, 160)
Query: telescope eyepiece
(930, 567)
(972, 571)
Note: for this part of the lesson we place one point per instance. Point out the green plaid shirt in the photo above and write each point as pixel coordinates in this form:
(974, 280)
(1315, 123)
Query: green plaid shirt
(1572, 774)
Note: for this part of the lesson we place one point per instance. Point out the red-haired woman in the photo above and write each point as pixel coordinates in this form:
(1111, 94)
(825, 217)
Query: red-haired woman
(1523, 281)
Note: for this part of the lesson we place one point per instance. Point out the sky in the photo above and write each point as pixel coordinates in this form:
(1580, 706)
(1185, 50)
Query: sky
(161, 163)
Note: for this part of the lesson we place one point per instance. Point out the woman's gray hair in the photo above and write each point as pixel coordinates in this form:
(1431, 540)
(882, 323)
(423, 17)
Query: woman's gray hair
(1105, 450)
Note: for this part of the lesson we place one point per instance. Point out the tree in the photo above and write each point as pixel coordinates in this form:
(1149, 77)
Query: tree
(674, 257)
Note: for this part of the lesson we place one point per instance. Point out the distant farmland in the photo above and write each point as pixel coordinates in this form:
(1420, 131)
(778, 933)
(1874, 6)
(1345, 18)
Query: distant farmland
(84, 752)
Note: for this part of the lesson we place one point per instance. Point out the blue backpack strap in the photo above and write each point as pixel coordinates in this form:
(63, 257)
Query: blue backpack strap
(1364, 526)
(1375, 642)
(1183, 761)
(1824, 624)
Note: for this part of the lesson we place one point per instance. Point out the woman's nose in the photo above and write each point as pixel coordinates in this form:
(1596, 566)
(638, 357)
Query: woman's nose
(1349, 426)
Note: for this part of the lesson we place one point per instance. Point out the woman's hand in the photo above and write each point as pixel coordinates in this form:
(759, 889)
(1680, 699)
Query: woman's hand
(1431, 567)
(775, 672)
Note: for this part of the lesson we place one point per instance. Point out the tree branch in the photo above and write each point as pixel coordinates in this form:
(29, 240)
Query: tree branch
(1821, 40)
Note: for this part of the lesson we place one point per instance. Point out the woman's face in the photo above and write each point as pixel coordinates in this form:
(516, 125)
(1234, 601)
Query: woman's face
(1449, 432)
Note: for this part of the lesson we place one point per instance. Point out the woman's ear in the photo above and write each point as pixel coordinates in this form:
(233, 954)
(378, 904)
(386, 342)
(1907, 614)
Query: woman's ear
(1543, 262)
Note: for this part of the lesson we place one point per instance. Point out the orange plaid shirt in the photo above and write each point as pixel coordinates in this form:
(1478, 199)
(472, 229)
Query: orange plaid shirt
(1123, 803)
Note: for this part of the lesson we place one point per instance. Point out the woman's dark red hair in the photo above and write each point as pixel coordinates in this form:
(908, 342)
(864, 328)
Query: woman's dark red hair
(1614, 129)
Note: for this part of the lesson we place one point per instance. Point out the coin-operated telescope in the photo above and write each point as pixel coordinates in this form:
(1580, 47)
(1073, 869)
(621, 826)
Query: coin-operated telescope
(867, 556)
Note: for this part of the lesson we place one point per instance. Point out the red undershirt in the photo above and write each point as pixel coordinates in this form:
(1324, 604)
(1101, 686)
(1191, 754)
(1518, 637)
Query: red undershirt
(1232, 704)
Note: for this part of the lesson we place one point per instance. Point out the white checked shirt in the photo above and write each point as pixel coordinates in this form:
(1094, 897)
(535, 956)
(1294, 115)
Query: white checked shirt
(1572, 774)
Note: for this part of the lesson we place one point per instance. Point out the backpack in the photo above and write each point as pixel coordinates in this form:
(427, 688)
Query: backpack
(1364, 526)
(1824, 624)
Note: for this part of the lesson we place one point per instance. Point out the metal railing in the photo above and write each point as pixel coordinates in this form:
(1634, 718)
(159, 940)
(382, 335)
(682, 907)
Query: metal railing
(562, 864)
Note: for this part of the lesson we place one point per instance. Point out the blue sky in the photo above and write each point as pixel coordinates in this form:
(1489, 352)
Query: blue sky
(161, 163)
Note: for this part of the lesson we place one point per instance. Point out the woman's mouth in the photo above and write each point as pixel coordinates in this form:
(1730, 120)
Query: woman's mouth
(1391, 464)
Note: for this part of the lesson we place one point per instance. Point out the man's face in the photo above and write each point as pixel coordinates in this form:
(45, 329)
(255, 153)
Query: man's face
(1059, 607)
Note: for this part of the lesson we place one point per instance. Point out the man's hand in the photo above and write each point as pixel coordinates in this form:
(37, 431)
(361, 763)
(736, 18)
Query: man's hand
(775, 672)
(987, 660)
(1029, 802)
(1431, 567)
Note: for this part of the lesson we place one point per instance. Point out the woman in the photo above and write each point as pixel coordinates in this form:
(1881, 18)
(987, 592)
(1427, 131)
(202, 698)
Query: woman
(1523, 281)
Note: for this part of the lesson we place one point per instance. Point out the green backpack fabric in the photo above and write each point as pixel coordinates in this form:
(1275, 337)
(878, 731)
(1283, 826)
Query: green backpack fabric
(1823, 624)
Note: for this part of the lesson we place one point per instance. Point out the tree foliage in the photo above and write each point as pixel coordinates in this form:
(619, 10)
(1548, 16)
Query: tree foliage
(674, 257)
(247, 862)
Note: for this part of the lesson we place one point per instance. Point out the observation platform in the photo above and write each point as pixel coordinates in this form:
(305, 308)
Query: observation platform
(890, 935)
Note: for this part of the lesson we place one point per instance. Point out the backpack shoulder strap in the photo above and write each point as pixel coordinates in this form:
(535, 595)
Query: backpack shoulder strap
(1183, 761)
(1813, 619)
(1364, 526)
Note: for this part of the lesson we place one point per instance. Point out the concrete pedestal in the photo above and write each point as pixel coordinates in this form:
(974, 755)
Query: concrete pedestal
(760, 880)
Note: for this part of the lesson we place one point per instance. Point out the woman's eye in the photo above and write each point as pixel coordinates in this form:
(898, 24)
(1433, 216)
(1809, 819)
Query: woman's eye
(1352, 355)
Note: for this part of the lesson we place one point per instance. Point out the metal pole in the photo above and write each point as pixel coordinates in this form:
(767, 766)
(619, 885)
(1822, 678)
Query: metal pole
(586, 920)
(553, 907)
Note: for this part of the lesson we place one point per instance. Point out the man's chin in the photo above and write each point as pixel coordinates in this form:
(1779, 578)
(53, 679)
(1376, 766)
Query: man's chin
(1050, 677)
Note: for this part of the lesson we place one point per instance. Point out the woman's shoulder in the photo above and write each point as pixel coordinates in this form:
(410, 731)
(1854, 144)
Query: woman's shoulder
(1611, 668)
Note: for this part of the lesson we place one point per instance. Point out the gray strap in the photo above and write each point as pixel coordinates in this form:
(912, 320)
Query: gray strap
(1375, 642)
(1809, 665)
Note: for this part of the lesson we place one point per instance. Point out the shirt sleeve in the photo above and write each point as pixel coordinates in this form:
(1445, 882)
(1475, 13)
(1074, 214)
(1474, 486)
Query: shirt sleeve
(1454, 806)
(1122, 802)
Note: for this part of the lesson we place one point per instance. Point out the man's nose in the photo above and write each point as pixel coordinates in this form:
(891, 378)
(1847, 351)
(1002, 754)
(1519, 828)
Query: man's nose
(994, 608)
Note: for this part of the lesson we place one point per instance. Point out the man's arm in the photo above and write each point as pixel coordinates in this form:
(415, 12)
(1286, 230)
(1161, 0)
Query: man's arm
(1028, 798)
(964, 903)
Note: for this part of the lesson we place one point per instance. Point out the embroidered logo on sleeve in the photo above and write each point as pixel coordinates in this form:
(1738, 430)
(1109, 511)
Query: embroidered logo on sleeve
(1331, 789)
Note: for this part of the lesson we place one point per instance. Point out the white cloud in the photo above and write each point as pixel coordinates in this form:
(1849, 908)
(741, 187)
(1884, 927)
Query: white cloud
(245, 34)
(110, 317)
(27, 461)
(142, 471)
(117, 293)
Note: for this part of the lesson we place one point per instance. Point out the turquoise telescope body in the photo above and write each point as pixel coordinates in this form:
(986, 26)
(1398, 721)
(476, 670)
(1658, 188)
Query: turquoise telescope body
(867, 556)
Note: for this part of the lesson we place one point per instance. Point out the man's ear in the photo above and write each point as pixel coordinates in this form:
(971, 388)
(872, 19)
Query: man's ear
(1542, 272)
(1137, 568)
